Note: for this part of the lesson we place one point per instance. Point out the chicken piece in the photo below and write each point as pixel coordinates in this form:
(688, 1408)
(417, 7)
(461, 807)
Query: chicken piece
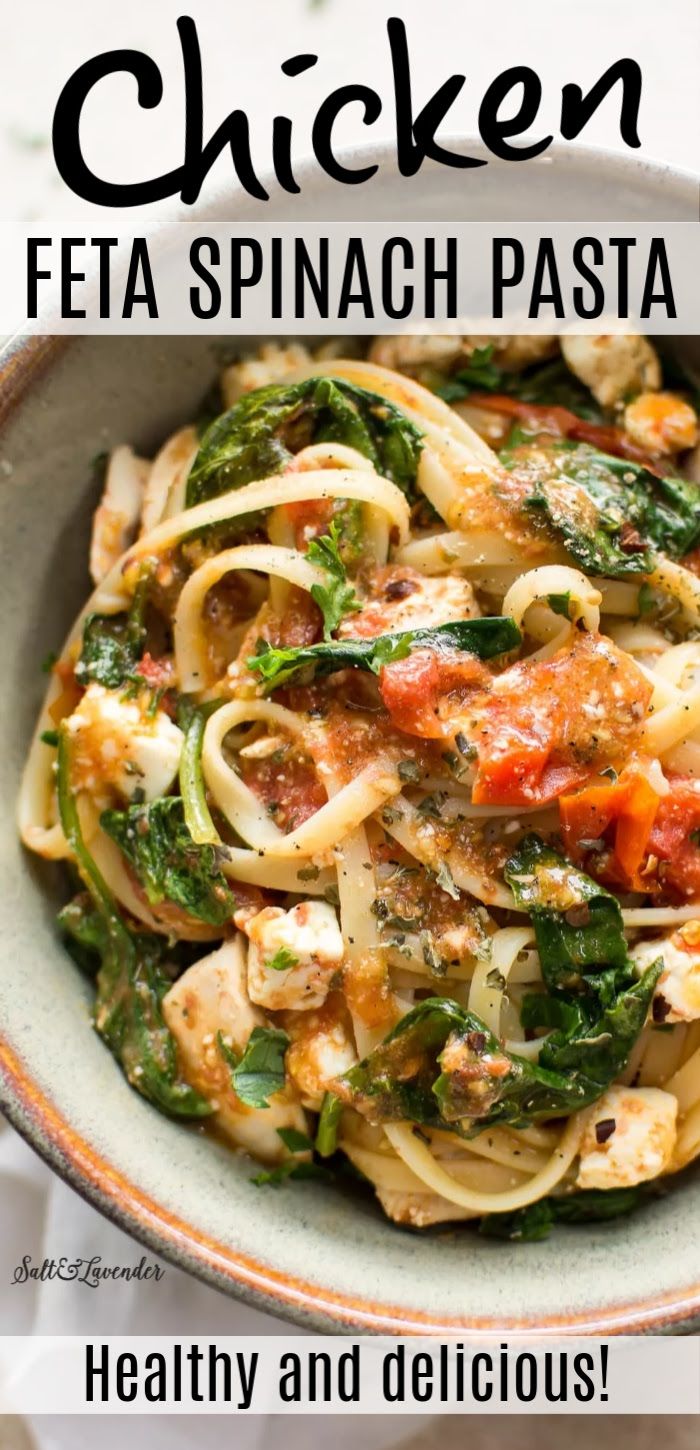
(613, 367)
(448, 352)
(420, 1210)
(119, 745)
(661, 423)
(630, 1138)
(677, 996)
(116, 518)
(410, 354)
(272, 365)
(322, 1048)
(210, 998)
(293, 955)
(400, 598)
(164, 493)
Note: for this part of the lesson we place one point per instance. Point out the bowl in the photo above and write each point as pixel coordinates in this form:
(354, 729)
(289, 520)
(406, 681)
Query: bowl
(323, 1258)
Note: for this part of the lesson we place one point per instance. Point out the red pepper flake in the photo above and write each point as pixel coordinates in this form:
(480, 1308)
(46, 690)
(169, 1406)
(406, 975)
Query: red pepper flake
(400, 588)
(660, 1009)
(604, 1129)
(631, 541)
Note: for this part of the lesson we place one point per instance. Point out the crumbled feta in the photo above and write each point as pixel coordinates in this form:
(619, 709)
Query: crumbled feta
(322, 1048)
(309, 937)
(678, 987)
(630, 1138)
(403, 599)
(118, 745)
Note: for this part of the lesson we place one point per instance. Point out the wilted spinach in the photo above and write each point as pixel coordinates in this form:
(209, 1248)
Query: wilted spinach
(578, 924)
(535, 1222)
(613, 514)
(168, 863)
(484, 638)
(548, 384)
(476, 1082)
(261, 433)
(131, 980)
(113, 643)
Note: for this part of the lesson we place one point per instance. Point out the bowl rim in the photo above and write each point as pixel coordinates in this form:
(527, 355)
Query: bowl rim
(48, 1132)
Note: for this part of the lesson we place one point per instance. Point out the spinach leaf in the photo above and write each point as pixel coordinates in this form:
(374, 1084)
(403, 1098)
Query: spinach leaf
(294, 1141)
(596, 1036)
(292, 1169)
(547, 384)
(260, 1072)
(578, 924)
(168, 863)
(535, 1222)
(613, 514)
(265, 428)
(337, 598)
(479, 374)
(131, 979)
(113, 643)
(441, 1066)
(192, 720)
(328, 1124)
(483, 637)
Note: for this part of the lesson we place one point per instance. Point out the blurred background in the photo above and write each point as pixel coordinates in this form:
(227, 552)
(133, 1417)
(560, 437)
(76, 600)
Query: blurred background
(244, 42)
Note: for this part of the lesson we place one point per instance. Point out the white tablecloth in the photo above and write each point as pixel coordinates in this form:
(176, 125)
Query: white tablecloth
(40, 1216)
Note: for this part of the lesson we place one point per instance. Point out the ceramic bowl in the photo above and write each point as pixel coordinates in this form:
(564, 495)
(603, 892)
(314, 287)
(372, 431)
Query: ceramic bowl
(306, 1251)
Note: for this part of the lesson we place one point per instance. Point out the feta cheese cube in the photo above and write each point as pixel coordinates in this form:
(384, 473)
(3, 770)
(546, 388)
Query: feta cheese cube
(403, 599)
(118, 745)
(322, 1048)
(678, 987)
(308, 940)
(613, 366)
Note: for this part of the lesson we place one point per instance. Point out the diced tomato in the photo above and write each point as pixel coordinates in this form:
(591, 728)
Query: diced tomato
(525, 773)
(692, 562)
(309, 518)
(674, 838)
(420, 690)
(620, 812)
(157, 673)
(549, 724)
(542, 418)
(539, 729)
(289, 787)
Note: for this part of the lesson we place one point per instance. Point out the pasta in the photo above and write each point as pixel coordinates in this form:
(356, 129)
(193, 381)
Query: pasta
(376, 752)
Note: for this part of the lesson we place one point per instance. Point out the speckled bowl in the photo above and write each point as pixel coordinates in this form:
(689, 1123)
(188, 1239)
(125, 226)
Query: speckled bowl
(308, 1252)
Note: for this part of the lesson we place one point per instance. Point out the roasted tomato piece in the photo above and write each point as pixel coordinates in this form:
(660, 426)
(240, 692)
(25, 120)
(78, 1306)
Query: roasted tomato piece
(287, 784)
(549, 724)
(607, 827)
(675, 838)
(426, 690)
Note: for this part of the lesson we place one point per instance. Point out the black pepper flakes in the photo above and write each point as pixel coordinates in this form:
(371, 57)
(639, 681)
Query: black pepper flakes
(604, 1129)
